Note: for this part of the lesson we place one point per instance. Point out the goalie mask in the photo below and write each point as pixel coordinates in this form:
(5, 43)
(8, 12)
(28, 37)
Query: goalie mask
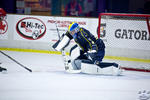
(73, 28)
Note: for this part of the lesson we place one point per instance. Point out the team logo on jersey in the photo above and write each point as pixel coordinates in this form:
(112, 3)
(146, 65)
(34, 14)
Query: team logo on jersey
(3, 26)
(31, 28)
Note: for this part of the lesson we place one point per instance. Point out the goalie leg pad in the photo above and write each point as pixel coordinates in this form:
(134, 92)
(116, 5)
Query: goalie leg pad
(74, 52)
(76, 64)
(94, 69)
(74, 67)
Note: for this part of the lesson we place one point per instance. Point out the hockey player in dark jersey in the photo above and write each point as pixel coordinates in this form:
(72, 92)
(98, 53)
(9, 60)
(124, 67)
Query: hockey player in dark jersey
(87, 51)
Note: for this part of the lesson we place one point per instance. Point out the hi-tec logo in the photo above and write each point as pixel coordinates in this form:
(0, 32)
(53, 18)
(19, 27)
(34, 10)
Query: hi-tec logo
(31, 28)
(132, 34)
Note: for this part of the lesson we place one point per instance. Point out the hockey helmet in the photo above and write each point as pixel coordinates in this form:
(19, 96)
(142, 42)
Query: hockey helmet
(73, 28)
(2, 13)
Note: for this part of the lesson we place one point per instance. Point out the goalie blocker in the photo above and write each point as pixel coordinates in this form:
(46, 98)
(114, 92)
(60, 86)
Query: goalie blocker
(73, 63)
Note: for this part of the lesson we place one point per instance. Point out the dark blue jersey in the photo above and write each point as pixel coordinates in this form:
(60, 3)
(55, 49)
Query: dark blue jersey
(86, 40)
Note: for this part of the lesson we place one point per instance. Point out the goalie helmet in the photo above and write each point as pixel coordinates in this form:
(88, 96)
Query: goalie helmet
(73, 28)
(2, 13)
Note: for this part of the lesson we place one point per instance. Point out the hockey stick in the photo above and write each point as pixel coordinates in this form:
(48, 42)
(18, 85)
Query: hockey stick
(16, 61)
(57, 30)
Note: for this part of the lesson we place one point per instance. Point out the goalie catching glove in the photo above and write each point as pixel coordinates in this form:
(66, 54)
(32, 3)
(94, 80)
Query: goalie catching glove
(63, 42)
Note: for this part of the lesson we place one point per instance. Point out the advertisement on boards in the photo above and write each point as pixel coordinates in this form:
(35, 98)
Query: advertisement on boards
(129, 34)
(47, 28)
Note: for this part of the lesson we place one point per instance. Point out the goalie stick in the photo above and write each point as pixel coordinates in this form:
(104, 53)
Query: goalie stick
(63, 51)
(64, 54)
(16, 61)
(66, 60)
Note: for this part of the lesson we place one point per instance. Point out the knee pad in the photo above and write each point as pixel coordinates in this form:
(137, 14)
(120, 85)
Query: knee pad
(74, 54)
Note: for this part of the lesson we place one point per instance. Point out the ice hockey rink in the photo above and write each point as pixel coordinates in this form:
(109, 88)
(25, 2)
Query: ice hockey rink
(49, 81)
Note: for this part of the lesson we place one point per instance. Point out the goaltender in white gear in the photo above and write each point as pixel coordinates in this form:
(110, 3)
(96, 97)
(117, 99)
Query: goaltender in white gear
(74, 65)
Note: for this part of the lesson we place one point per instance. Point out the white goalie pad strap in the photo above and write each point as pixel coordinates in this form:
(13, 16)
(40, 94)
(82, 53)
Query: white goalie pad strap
(92, 51)
(65, 40)
(94, 69)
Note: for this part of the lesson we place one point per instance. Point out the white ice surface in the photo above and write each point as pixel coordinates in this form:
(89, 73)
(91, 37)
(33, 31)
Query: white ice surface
(49, 81)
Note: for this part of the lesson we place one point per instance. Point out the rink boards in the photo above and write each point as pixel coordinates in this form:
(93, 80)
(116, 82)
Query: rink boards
(38, 33)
